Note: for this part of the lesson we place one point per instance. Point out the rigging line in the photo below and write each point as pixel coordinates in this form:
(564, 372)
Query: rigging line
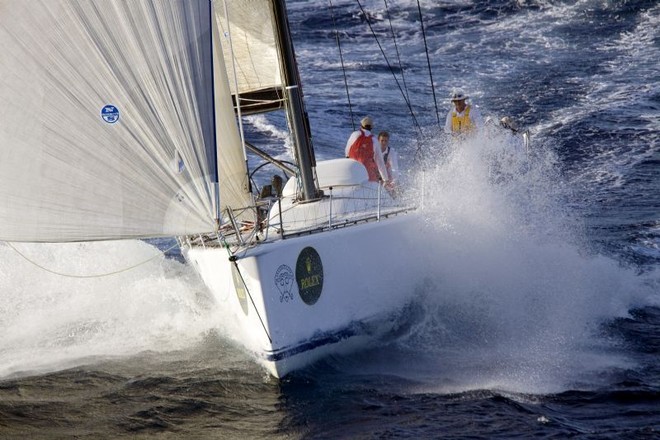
(412, 113)
(62, 274)
(233, 258)
(252, 301)
(428, 61)
(396, 47)
(403, 77)
(343, 69)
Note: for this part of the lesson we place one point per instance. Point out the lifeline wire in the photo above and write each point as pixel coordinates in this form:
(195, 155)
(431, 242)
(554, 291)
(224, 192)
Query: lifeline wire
(62, 274)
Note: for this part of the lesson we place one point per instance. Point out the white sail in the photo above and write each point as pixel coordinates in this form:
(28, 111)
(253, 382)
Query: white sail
(232, 168)
(251, 58)
(107, 119)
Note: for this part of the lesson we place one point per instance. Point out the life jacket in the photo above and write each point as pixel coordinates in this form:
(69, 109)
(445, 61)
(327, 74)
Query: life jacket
(362, 150)
(461, 124)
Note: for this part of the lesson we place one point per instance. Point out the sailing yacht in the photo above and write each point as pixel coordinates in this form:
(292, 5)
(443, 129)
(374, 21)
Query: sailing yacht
(123, 120)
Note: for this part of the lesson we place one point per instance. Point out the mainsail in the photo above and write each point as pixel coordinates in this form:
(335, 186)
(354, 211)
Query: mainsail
(108, 127)
(249, 46)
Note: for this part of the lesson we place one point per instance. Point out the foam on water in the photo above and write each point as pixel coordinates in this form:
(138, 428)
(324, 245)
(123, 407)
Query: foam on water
(49, 322)
(514, 299)
(525, 294)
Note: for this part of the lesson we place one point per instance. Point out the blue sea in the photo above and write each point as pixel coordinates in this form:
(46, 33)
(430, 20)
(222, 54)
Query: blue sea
(540, 315)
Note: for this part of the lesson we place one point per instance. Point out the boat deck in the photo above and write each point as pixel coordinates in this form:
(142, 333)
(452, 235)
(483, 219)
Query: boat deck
(237, 235)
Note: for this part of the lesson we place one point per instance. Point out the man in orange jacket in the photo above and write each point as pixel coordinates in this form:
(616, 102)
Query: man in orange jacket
(365, 148)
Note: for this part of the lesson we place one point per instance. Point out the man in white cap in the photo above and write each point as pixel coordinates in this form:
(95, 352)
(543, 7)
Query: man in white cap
(363, 147)
(463, 118)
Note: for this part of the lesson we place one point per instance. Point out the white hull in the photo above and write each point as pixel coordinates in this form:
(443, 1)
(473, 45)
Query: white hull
(303, 304)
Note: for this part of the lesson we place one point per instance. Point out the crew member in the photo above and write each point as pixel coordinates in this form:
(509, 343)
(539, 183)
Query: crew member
(362, 146)
(464, 118)
(391, 159)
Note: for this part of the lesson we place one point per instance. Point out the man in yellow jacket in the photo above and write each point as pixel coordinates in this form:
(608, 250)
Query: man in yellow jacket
(464, 118)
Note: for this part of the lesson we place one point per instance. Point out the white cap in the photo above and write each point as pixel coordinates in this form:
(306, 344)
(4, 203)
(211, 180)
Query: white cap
(458, 95)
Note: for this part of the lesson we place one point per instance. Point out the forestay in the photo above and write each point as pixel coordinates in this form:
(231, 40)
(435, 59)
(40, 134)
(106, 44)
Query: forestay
(107, 122)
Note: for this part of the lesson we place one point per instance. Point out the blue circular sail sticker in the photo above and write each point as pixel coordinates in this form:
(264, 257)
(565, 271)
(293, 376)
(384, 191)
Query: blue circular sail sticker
(110, 114)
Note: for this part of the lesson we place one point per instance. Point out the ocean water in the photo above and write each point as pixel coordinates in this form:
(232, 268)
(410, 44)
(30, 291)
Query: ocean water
(540, 315)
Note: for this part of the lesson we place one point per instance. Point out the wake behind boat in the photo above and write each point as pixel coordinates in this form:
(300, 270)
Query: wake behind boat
(122, 120)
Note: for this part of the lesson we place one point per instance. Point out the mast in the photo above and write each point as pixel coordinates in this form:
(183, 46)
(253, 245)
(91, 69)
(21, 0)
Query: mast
(296, 109)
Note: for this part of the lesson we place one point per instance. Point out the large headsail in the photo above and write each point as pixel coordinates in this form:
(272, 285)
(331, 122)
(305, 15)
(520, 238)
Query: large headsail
(107, 119)
(231, 161)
